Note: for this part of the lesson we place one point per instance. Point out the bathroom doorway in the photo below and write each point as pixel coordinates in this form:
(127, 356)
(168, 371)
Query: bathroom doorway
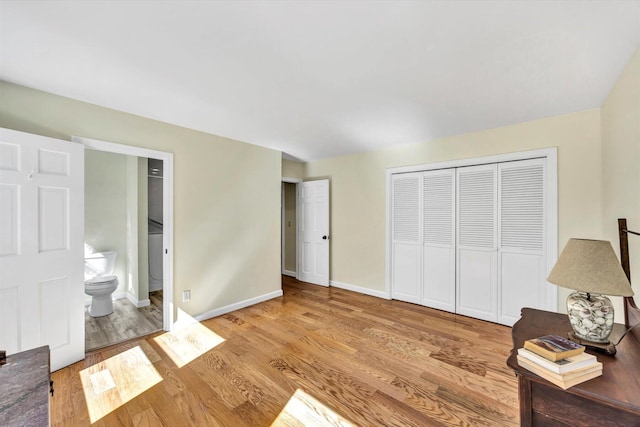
(128, 210)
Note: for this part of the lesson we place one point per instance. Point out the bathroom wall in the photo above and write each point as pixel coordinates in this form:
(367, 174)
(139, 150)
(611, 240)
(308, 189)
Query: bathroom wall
(106, 208)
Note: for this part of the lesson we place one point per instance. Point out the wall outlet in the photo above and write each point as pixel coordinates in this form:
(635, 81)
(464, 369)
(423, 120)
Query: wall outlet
(186, 295)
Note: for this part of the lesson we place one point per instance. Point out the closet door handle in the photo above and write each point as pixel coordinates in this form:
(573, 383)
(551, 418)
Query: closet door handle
(325, 237)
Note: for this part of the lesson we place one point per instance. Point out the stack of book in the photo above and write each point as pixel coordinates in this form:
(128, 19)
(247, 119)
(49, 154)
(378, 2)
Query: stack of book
(559, 361)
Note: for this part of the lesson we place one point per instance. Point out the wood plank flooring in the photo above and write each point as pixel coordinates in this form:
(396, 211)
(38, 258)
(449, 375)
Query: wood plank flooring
(314, 357)
(126, 322)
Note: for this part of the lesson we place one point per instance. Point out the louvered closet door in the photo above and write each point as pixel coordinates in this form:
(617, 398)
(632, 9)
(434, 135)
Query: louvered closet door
(406, 232)
(521, 231)
(439, 256)
(477, 281)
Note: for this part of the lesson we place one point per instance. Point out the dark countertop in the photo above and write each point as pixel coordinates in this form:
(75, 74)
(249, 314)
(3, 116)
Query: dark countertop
(24, 388)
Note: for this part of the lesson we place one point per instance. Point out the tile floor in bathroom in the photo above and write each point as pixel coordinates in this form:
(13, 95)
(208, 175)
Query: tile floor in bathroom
(126, 322)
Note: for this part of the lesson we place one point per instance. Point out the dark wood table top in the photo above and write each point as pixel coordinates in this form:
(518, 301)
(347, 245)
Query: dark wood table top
(619, 384)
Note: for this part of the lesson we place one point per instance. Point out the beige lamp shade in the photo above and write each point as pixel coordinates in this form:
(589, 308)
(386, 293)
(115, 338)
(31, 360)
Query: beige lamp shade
(590, 266)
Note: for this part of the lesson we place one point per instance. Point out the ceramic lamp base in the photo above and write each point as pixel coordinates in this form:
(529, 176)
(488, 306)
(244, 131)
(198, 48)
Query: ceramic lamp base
(591, 316)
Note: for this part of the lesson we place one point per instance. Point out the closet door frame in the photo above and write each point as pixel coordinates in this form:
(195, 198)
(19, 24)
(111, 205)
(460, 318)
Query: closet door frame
(551, 213)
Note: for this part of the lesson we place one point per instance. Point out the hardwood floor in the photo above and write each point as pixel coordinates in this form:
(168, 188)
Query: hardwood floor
(316, 356)
(126, 322)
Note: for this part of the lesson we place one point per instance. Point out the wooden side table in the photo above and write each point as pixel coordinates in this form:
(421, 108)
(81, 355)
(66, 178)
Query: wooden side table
(612, 399)
(24, 388)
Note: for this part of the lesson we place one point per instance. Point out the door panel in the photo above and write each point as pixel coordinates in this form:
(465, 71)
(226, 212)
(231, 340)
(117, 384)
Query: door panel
(520, 275)
(9, 332)
(522, 238)
(41, 246)
(477, 284)
(407, 241)
(439, 280)
(406, 272)
(9, 216)
(315, 232)
(53, 218)
(439, 213)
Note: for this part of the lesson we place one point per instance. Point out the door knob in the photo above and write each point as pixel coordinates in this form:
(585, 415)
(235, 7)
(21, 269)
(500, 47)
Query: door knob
(325, 237)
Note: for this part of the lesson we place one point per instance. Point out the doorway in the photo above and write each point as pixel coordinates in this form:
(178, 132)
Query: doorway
(289, 229)
(141, 305)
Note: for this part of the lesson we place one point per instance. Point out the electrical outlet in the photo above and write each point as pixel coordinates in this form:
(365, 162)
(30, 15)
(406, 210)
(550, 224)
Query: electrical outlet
(186, 295)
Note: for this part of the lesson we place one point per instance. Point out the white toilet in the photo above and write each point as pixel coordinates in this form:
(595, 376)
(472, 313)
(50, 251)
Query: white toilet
(99, 282)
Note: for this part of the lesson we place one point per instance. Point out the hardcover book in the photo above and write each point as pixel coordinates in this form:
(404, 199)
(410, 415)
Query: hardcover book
(562, 366)
(553, 347)
(563, 381)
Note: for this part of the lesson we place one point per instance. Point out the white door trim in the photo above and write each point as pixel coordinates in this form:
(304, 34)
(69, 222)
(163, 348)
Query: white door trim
(296, 181)
(167, 194)
(551, 154)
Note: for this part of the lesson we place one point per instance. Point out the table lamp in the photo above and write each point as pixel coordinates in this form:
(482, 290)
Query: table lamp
(590, 267)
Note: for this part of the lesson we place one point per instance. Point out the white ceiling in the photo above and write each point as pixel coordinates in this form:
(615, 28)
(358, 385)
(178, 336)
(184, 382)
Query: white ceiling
(317, 79)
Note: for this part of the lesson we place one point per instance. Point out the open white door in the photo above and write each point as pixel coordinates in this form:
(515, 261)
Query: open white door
(41, 246)
(314, 223)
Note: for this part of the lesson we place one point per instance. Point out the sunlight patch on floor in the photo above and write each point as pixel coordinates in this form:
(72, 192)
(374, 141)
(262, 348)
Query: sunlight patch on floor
(304, 410)
(188, 342)
(115, 381)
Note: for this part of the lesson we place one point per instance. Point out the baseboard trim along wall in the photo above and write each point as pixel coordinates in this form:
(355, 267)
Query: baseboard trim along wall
(289, 273)
(142, 303)
(237, 306)
(360, 289)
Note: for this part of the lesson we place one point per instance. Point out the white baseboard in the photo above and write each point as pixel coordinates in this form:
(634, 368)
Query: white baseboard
(138, 303)
(289, 273)
(359, 289)
(237, 306)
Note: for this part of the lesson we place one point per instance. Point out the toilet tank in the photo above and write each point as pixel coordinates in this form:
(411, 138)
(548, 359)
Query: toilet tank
(99, 264)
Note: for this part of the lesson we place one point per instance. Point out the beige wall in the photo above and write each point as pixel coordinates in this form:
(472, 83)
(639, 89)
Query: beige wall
(289, 227)
(291, 169)
(358, 194)
(227, 194)
(621, 164)
(143, 229)
(105, 208)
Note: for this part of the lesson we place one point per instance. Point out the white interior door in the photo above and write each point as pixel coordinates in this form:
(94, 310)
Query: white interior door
(41, 246)
(521, 238)
(406, 233)
(314, 228)
(477, 278)
(439, 243)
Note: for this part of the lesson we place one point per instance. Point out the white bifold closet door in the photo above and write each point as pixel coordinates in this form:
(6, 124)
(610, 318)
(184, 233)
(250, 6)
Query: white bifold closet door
(477, 266)
(439, 231)
(406, 235)
(471, 240)
(521, 238)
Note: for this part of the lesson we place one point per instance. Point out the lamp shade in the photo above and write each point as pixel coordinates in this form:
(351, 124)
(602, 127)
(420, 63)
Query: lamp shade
(590, 266)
